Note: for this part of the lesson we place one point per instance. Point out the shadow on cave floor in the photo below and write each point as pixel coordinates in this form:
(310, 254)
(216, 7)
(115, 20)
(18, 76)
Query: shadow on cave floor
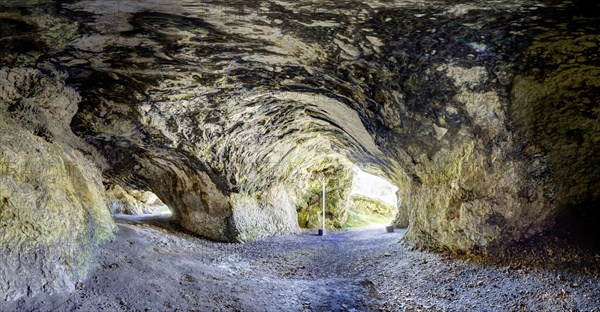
(163, 220)
(149, 268)
(572, 246)
(555, 251)
(580, 225)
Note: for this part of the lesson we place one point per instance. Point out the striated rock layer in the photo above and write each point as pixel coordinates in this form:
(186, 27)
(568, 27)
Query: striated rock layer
(484, 114)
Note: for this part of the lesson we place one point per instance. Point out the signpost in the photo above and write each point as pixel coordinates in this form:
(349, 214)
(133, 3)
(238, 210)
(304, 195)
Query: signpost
(322, 230)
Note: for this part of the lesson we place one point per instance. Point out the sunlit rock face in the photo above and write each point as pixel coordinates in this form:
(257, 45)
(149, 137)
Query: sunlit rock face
(132, 202)
(483, 114)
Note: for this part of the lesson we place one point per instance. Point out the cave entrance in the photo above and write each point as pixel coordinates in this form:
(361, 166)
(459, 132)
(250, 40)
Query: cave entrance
(353, 197)
(372, 200)
(134, 204)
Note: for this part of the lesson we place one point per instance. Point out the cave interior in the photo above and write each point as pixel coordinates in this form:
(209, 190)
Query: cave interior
(472, 128)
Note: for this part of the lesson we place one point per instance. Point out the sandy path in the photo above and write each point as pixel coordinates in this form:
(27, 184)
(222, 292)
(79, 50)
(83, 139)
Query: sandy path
(148, 268)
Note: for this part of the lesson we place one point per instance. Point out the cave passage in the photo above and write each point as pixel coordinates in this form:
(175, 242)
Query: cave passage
(170, 155)
(136, 203)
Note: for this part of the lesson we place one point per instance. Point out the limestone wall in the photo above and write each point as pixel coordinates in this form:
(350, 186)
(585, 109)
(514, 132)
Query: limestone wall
(53, 211)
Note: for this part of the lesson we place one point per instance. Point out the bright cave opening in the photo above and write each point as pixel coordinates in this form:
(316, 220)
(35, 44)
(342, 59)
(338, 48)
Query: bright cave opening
(133, 204)
(372, 201)
(353, 197)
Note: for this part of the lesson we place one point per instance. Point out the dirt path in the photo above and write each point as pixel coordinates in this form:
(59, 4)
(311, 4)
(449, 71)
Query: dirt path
(148, 268)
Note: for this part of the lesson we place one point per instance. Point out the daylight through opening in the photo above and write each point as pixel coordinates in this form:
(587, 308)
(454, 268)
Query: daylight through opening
(373, 200)
(128, 203)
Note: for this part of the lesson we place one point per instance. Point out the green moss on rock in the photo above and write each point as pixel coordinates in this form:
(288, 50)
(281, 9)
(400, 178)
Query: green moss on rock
(53, 212)
(338, 183)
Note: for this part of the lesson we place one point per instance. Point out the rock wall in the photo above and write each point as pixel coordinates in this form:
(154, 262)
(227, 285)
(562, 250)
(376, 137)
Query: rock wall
(482, 113)
(271, 214)
(522, 157)
(425, 95)
(473, 190)
(52, 207)
(555, 108)
(401, 219)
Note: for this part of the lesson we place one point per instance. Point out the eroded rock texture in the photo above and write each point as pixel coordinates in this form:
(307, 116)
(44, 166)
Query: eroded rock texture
(52, 206)
(484, 114)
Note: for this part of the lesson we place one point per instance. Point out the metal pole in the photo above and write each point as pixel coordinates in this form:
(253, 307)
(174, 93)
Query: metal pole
(323, 205)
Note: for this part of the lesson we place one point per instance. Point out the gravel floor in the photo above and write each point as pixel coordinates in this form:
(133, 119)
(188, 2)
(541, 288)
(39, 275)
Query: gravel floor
(150, 268)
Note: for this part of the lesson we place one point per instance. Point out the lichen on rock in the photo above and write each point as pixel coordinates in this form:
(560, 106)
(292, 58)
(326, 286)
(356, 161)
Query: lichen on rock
(52, 205)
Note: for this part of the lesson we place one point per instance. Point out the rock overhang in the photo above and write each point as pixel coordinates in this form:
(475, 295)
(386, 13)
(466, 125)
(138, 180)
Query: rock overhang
(484, 115)
(235, 95)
